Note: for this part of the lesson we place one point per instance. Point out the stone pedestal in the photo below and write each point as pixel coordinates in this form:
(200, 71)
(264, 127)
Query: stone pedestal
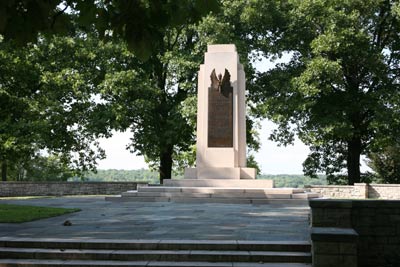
(221, 117)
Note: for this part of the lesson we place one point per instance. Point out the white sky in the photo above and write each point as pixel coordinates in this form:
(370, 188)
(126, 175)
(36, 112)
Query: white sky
(117, 155)
(271, 158)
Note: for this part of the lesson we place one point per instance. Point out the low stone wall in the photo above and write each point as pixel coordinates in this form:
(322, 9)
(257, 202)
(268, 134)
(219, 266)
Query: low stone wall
(14, 189)
(384, 191)
(336, 191)
(358, 191)
(376, 222)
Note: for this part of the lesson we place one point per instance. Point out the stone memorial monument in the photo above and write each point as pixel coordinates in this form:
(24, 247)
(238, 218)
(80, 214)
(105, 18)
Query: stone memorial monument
(221, 117)
(221, 175)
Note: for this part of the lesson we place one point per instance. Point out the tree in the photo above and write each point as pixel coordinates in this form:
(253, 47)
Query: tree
(145, 25)
(386, 164)
(141, 23)
(18, 117)
(41, 168)
(157, 101)
(147, 100)
(340, 91)
(46, 94)
(151, 92)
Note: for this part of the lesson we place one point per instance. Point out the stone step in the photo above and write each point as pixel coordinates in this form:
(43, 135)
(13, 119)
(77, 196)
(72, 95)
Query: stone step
(117, 244)
(302, 202)
(165, 194)
(214, 190)
(247, 183)
(227, 195)
(213, 195)
(75, 263)
(109, 252)
(156, 255)
(217, 195)
(307, 195)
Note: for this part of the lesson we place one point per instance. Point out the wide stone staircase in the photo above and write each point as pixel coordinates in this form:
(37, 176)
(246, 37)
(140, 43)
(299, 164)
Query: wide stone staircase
(208, 253)
(229, 195)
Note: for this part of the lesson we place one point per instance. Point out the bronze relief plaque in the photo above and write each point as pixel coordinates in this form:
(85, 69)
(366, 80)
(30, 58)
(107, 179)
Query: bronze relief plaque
(220, 111)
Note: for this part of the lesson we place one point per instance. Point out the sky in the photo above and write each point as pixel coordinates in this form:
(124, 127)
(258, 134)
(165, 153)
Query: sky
(272, 159)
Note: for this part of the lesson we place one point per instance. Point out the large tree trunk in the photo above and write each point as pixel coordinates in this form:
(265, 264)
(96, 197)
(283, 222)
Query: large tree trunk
(166, 163)
(353, 160)
(4, 171)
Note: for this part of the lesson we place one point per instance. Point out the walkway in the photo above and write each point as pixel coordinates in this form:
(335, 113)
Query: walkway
(147, 220)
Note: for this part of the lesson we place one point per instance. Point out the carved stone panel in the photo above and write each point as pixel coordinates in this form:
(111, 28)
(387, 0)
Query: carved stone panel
(220, 114)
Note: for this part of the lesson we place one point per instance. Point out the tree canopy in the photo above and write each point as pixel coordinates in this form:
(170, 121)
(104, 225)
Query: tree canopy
(74, 70)
(141, 23)
(385, 162)
(340, 91)
(46, 94)
(157, 102)
(51, 86)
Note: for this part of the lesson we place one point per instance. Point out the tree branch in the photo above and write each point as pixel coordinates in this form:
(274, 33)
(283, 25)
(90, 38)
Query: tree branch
(178, 33)
(59, 13)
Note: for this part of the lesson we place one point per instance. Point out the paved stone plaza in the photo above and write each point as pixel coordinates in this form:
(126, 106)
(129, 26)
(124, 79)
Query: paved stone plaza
(147, 220)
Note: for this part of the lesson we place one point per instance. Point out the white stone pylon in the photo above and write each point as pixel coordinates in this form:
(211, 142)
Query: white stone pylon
(221, 161)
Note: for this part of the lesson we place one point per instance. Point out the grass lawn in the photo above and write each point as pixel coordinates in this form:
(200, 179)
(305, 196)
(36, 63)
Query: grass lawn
(18, 213)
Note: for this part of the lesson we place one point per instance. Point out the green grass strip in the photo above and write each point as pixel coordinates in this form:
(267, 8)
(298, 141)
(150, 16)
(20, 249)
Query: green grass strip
(19, 213)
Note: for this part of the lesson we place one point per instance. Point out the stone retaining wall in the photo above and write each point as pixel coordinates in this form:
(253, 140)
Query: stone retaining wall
(334, 247)
(14, 189)
(384, 191)
(336, 191)
(376, 222)
(358, 191)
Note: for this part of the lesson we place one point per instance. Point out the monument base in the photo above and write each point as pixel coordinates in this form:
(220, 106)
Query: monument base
(219, 183)
(220, 173)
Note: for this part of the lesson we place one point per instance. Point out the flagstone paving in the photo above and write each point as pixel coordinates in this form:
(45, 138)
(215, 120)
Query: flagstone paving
(158, 220)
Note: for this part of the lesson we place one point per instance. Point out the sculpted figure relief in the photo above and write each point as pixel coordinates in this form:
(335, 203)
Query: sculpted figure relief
(220, 84)
(220, 111)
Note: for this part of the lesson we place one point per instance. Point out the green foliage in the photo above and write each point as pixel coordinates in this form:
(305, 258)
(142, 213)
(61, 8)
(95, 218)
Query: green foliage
(47, 101)
(19, 213)
(386, 164)
(184, 159)
(18, 113)
(339, 93)
(79, 88)
(140, 23)
(145, 26)
(158, 102)
(294, 180)
(252, 163)
(41, 168)
(22, 20)
(148, 100)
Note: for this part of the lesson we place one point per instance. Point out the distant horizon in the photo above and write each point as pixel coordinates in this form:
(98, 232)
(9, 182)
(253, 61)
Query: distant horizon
(156, 171)
(98, 169)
